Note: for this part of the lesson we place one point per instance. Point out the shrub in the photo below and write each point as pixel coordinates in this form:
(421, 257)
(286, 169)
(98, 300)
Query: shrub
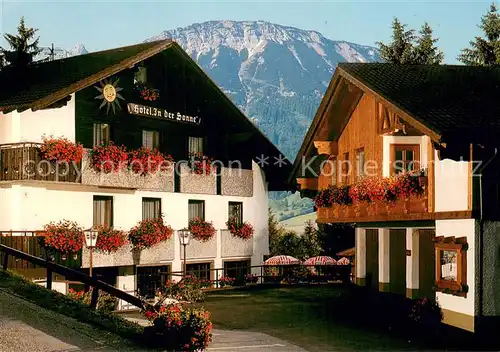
(105, 302)
(426, 312)
(241, 230)
(176, 328)
(201, 230)
(63, 236)
(149, 232)
(188, 290)
(144, 161)
(110, 240)
(61, 150)
(108, 158)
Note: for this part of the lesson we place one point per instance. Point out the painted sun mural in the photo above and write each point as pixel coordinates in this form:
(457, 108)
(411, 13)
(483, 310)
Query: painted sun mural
(109, 93)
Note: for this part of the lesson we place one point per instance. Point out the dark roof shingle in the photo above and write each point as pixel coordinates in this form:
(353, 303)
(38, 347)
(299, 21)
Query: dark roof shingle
(453, 101)
(43, 79)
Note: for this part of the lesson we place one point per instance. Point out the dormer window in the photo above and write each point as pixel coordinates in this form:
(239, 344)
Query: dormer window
(141, 75)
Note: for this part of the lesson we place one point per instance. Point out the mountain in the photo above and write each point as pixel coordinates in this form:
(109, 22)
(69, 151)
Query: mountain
(275, 74)
(60, 53)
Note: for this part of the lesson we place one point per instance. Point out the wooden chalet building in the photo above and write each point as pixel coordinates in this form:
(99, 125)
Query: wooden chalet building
(152, 95)
(434, 130)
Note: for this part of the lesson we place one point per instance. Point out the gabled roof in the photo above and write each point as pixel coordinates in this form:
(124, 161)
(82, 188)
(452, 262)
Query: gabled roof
(449, 103)
(45, 83)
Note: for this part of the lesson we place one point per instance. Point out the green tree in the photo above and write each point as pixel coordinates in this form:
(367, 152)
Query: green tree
(275, 233)
(485, 51)
(23, 46)
(400, 50)
(425, 51)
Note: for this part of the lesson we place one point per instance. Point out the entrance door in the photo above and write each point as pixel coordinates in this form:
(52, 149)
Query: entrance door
(372, 258)
(426, 260)
(151, 278)
(397, 262)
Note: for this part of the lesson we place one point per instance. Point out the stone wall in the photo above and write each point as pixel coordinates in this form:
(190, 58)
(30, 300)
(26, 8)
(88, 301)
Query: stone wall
(197, 184)
(160, 181)
(234, 246)
(201, 250)
(125, 256)
(237, 182)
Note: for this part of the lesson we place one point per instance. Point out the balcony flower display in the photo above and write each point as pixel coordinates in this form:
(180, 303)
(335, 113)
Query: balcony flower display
(147, 93)
(144, 161)
(200, 164)
(409, 184)
(360, 191)
(110, 240)
(61, 150)
(177, 328)
(108, 158)
(226, 281)
(148, 233)
(241, 230)
(201, 230)
(63, 236)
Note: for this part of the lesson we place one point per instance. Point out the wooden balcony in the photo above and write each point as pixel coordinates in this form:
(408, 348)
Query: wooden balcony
(413, 208)
(22, 161)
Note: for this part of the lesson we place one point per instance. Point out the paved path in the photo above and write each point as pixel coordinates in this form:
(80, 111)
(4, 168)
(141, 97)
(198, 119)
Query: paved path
(25, 326)
(241, 341)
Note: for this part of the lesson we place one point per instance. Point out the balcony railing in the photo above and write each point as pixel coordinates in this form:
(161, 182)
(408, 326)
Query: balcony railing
(22, 161)
(414, 207)
(234, 246)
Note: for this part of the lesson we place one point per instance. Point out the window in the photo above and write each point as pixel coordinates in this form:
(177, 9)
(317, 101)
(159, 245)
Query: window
(141, 75)
(195, 145)
(151, 208)
(451, 265)
(102, 134)
(151, 139)
(236, 211)
(237, 269)
(103, 210)
(152, 278)
(405, 157)
(196, 209)
(200, 270)
(346, 169)
(360, 163)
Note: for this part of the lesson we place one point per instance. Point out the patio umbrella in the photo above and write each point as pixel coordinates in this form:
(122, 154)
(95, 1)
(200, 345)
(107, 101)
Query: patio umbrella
(282, 260)
(343, 261)
(320, 260)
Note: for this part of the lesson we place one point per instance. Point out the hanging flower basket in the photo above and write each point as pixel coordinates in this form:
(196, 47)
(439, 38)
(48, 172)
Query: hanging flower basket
(147, 93)
(148, 233)
(63, 236)
(108, 158)
(201, 230)
(243, 231)
(61, 150)
(145, 161)
(110, 240)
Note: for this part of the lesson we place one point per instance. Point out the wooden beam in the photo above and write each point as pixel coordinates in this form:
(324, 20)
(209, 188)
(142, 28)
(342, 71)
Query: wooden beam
(307, 183)
(326, 147)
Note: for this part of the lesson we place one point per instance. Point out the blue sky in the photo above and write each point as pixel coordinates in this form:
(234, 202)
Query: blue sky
(106, 24)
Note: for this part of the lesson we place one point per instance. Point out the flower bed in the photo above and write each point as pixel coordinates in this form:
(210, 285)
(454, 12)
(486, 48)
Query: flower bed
(63, 236)
(226, 281)
(201, 230)
(243, 230)
(176, 328)
(61, 150)
(110, 240)
(251, 278)
(149, 232)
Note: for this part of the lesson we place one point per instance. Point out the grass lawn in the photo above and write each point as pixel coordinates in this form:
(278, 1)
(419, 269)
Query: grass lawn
(299, 315)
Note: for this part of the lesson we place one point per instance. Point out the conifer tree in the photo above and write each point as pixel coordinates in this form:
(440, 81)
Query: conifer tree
(485, 51)
(23, 45)
(425, 51)
(400, 50)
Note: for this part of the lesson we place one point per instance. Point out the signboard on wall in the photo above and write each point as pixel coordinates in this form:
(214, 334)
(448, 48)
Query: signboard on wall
(157, 113)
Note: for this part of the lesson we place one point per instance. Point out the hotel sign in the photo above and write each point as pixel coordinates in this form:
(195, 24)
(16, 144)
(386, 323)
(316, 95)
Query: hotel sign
(156, 113)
